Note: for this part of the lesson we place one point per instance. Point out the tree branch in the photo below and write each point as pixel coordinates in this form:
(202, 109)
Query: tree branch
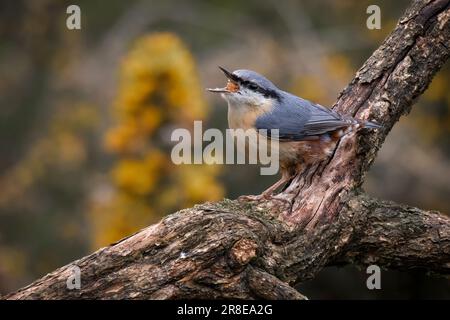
(383, 89)
(235, 250)
(222, 250)
(397, 237)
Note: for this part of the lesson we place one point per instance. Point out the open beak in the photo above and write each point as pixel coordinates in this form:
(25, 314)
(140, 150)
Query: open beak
(229, 75)
(232, 85)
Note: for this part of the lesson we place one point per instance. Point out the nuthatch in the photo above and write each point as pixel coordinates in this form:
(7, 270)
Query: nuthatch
(308, 132)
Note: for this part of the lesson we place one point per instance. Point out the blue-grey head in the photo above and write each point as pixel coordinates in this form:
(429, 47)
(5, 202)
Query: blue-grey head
(246, 87)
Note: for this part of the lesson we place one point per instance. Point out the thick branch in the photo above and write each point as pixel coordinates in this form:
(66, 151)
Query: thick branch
(207, 251)
(398, 236)
(383, 89)
(222, 251)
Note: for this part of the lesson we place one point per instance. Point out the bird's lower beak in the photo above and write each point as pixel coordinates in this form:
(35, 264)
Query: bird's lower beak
(232, 84)
(231, 87)
(218, 90)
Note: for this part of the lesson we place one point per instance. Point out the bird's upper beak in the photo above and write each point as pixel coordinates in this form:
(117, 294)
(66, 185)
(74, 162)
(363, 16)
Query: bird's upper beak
(232, 84)
(229, 75)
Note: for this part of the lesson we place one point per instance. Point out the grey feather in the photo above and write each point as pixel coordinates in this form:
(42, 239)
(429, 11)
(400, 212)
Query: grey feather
(299, 119)
(249, 75)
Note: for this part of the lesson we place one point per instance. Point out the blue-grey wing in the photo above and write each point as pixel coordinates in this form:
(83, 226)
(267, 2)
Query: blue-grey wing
(298, 119)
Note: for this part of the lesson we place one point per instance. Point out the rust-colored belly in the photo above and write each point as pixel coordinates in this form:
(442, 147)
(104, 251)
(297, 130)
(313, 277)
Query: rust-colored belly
(300, 153)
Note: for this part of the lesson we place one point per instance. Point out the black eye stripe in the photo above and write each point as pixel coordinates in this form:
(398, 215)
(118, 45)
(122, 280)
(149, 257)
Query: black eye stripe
(251, 85)
(268, 93)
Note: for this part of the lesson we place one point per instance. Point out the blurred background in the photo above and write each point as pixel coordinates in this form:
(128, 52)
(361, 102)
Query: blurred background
(86, 117)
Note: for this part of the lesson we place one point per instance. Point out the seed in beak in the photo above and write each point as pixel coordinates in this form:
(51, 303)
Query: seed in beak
(232, 86)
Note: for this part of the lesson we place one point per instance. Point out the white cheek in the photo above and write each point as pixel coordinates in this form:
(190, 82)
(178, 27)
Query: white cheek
(231, 98)
(256, 98)
(246, 97)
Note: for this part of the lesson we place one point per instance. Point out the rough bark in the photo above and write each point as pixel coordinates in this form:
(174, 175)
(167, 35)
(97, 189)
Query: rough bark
(398, 237)
(238, 250)
(383, 89)
(226, 250)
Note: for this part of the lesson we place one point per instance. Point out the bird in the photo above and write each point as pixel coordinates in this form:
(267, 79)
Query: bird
(307, 132)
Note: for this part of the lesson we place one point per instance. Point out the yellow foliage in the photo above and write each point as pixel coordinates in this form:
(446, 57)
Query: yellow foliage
(120, 216)
(198, 184)
(122, 139)
(63, 146)
(158, 88)
(139, 176)
(161, 70)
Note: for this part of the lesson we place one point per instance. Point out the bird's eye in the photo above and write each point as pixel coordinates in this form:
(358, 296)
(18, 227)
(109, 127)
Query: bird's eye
(253, 86)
